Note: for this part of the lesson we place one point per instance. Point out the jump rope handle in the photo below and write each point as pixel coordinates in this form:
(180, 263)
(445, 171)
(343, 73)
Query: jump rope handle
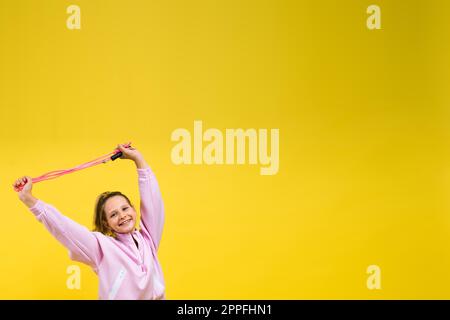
(20, 186)
(119, 154)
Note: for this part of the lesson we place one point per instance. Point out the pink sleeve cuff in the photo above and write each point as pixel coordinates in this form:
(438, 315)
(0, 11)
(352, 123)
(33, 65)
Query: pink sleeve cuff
(145, 173)
(38, 208)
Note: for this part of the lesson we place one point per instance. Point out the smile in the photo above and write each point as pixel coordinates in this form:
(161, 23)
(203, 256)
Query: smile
(124, 222)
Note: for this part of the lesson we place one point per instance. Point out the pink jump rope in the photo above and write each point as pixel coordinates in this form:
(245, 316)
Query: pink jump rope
(57, 173)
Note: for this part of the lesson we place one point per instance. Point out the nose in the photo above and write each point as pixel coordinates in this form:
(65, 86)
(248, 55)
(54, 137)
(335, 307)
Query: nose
(122, 215)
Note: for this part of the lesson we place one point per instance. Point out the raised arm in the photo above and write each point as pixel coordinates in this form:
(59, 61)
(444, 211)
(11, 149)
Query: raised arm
(152, 207)
(82, 244)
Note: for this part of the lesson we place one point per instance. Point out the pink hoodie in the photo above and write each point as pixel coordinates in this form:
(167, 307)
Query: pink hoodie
(124, 270)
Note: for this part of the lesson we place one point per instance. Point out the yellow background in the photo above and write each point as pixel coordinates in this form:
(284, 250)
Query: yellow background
(363, 116)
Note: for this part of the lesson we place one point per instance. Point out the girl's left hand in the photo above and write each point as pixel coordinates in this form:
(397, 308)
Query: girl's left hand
(129, 153)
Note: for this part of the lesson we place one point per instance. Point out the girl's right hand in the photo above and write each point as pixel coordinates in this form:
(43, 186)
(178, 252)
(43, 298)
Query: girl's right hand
(23, 187)
(25, 183)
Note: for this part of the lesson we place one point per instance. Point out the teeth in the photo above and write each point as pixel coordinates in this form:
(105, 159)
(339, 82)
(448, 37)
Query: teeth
(121, 224)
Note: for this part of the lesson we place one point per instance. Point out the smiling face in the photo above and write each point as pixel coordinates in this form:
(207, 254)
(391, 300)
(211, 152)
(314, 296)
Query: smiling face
(120, 216)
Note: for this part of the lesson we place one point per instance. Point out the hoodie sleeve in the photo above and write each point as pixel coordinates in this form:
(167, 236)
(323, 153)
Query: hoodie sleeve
(82, 244)
(152, 207)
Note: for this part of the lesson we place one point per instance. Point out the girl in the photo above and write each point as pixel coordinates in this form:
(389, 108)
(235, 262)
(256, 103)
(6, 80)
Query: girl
(123, 258)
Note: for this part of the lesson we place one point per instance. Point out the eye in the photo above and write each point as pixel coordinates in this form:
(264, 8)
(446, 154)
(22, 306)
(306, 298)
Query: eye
(112, 216)
(126, 208)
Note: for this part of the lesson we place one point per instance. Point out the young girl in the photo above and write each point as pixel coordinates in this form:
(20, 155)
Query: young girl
(123, 258)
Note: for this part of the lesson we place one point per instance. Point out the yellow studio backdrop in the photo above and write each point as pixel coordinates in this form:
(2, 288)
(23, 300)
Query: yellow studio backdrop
(364, 171)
